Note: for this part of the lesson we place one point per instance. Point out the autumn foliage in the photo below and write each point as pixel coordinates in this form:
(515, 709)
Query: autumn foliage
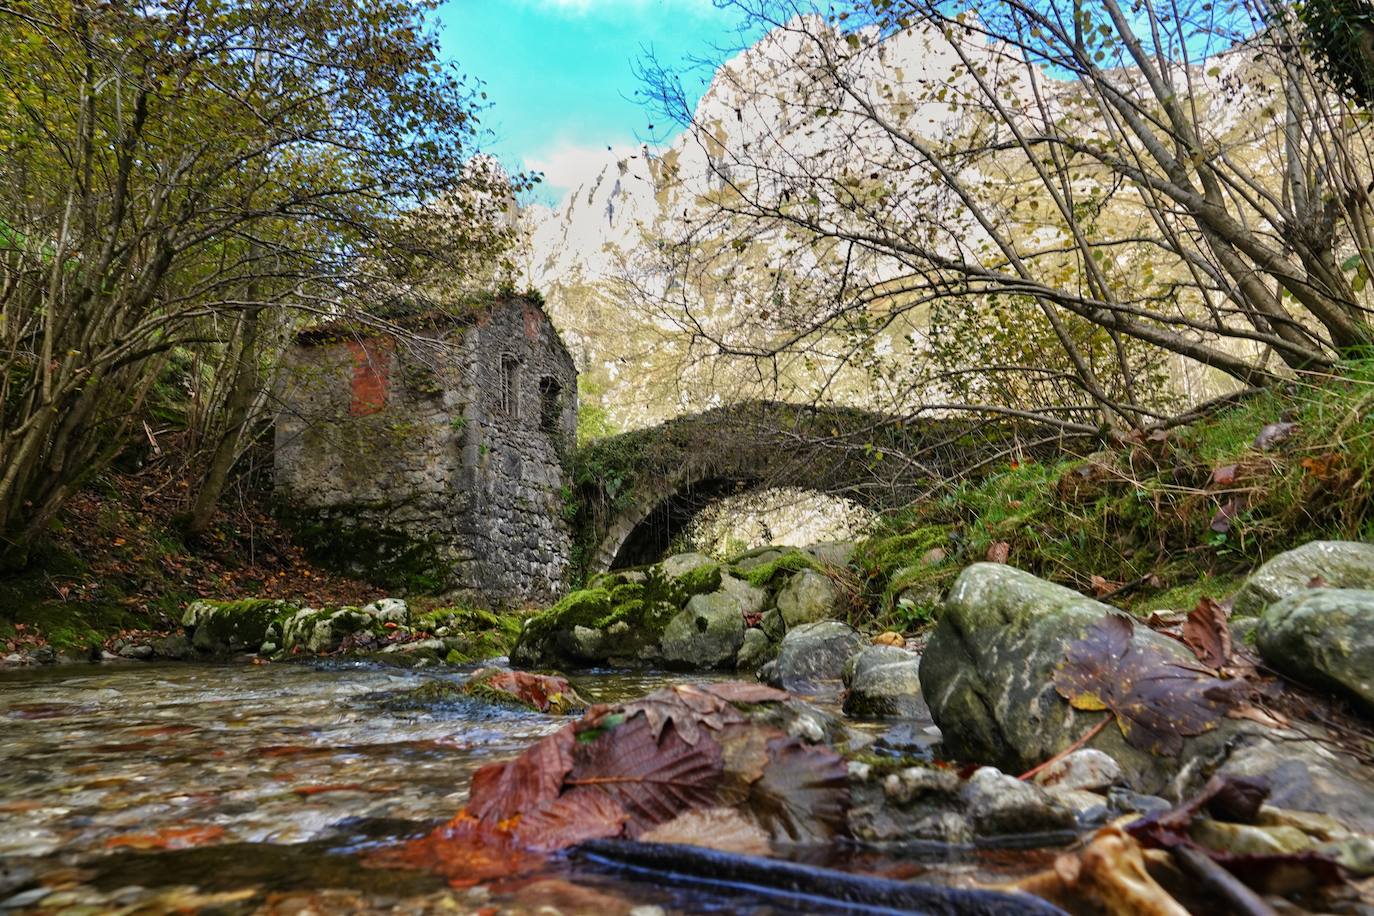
(683, 764)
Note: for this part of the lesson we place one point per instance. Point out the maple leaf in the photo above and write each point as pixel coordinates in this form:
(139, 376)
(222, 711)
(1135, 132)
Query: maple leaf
(1157, 702)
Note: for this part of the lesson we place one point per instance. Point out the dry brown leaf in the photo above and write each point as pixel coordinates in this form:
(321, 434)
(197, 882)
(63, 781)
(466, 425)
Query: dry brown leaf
(999, 552)
(1207, 633)
(716, 828)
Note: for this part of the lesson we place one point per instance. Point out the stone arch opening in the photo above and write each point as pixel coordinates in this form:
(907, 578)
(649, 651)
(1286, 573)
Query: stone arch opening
(674, 523)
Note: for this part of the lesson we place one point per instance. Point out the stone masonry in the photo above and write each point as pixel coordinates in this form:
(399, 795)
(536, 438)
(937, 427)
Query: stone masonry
(433, 457)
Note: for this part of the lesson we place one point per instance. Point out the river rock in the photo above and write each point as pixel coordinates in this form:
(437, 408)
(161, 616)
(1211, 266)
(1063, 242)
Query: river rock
(884, 685)
(755, 651)
(389, 610)
(1086, 768)
(231, 626)
(807, 597)
(707, 633)
(1338, 564)
(869, 656)
(812, 654)
(1323, 636)
(751, 599)
(679, 565)
(999, 805)
(832, 553)
(987, 673)
(1305, 775)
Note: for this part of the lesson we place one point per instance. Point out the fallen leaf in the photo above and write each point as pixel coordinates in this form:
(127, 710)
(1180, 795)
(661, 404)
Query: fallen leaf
(804, 791)
(1157, 701)
(537, 691)
(1207, 633)
(1225, 475)
(1227, 514)
(999, 552)
(168, 838)
(889, 639)
(576, 816)
(715, 828)
(1102, 587)
(654, 780)
(503, 790)
(1109, 875)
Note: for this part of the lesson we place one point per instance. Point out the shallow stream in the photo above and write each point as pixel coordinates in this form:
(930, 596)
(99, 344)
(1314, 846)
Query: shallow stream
(146, 788)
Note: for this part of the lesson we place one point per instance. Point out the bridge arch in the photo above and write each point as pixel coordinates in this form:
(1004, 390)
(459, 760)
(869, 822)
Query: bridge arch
(638, 489)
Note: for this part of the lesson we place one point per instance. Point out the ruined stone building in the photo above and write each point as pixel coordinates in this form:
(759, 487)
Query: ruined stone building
(431, 457)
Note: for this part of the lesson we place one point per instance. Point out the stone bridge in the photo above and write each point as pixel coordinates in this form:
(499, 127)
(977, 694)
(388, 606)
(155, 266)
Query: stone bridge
(637, 491)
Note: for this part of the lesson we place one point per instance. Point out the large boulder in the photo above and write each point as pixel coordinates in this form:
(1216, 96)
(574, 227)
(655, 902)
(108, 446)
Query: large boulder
(1337, 564)
(707, 633)
(987, 674)
(755, 651)
(812, 654)
(1323, 636)
(885, 683)
(751, 599)
(807, 597)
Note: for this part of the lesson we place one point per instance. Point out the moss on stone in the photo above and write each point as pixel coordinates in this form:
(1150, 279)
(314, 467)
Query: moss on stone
(580, 608)
(700, 581)
(790, 562)
(230, 625)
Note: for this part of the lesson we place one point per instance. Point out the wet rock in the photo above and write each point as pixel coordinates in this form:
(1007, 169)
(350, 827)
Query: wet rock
(318, 631)
(998, 805)
(920, 783)
(1135, 802)
(800, 719)
(814, 653)
(1338, 564)
(1088, 808)
(140, 651)
(987, 674)
(807, 597)
(1324, 637)
(755, 650)
(1305, 775)
(870, 656)
(707, 633)
(1086, 768)
(389, 610)
(890, 688)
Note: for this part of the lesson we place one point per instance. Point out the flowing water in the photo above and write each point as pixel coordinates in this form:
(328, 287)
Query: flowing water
(238, 789)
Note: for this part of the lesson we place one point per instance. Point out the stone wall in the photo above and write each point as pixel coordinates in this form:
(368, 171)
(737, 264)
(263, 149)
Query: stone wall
(435, 459)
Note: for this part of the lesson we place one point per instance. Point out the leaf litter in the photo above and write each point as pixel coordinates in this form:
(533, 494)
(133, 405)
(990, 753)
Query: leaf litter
(684, 764)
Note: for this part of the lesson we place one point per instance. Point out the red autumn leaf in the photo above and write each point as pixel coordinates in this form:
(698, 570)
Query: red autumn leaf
(1157, 701)
(1206, 632)
(690, 708)
(465, 851)
(744, 692)
(999, 552)
(577, 816)
(654, 780)
(534, 690)
(168, 838)
(503, 790)
(1102, 587)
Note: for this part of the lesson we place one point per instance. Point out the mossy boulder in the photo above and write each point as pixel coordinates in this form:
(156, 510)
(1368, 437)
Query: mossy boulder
(1333, 564)
(987, 674)
(621, 625)
(707, 633)
(1324, 637)
(809, 596)
(232, 626)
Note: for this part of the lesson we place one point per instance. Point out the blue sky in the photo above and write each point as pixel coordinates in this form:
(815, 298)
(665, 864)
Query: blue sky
(559, 73)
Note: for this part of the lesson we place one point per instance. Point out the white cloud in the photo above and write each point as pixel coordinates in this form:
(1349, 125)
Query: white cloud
(566, 164)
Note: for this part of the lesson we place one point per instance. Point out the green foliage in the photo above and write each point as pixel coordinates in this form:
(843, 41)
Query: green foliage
(1341, 33)
(593, 419)
(395, 559)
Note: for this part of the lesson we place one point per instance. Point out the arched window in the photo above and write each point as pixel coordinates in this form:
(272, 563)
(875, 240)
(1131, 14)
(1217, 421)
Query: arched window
(510, 385)
(550, 403)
